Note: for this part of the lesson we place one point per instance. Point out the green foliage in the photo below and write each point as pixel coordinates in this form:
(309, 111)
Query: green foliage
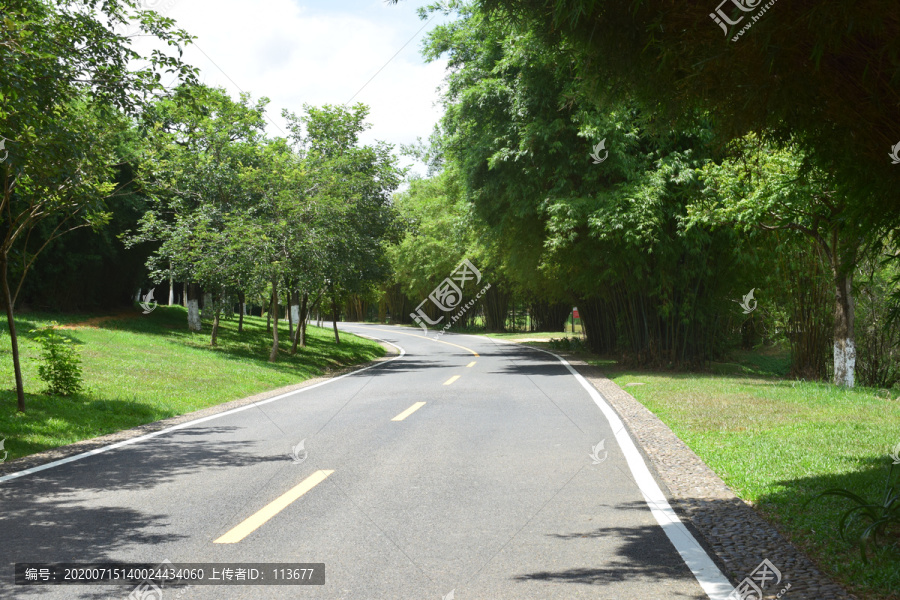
(61, 368)
(880, 517)
(823, 74)
(573, 344)
(612, 238)
(878, 336)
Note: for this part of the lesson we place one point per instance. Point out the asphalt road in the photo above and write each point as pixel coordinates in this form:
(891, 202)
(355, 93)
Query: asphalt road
(488, 490)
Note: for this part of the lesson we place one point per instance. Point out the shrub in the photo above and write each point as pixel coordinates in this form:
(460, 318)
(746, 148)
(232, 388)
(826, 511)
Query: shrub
(575, 344)
(61, 363)
(878, 517)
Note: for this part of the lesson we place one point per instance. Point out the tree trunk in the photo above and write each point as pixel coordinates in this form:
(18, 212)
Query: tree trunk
(304, 317)
(207, 305)
(243, 304)
(269, 317)
(295, 306)
(184, 294)
(193, 306)
(171, 291)
(215, 327)
(300, 332)
(13, 337)
(216, 309)
(844, 345)
(274, 354)
(334, 318)
(290, 316)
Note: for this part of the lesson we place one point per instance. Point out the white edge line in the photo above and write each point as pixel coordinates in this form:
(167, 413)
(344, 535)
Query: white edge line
(708, 575)
(154, 434)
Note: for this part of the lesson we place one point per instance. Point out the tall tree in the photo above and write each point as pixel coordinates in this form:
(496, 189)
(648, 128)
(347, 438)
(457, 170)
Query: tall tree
(64, 64)
(771, 189)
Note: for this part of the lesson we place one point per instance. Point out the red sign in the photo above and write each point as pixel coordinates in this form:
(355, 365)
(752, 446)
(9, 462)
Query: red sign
(575, 313)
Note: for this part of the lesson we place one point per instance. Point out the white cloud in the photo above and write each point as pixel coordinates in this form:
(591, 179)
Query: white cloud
(297, 52)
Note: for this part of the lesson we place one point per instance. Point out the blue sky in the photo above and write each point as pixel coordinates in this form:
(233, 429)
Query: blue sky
(317, 52)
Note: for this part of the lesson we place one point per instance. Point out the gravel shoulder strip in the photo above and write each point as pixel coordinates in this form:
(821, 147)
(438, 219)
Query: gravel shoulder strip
(739, 537)
(48, 456)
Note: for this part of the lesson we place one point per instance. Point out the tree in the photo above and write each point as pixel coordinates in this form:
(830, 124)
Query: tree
(350, 187)
(610, 236)
(771, 189)
(63, 64)
(203, 143)
(821, 75)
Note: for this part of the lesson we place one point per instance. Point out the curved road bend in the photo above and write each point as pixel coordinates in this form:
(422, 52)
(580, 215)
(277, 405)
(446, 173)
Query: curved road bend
(462, 466)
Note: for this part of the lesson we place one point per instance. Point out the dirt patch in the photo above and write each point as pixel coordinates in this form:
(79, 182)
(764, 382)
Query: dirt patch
(95, 321)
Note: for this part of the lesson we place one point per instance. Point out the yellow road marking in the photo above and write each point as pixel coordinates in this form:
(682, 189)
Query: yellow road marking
(256, 521)
(408, 411)
(428, 338)
(471, 364)
(451, 380)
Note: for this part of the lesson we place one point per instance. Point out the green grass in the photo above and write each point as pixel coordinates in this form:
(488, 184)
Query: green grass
(777, 443)
(150, 367)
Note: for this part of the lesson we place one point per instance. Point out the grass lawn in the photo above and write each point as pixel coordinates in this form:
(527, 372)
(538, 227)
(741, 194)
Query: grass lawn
(778, 442)
(149, 367)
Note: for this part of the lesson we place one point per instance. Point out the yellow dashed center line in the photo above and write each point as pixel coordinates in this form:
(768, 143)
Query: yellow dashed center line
(471, 364)
(428, 338)
(273, 508)
(451, 380)
(408, 411)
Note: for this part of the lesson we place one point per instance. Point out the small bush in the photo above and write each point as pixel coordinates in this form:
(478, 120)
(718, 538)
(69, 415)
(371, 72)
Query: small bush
(878, 518)
(61, 368)
(575, 344)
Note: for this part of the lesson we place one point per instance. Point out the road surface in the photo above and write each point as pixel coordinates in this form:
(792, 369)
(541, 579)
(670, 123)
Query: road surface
(463, 469)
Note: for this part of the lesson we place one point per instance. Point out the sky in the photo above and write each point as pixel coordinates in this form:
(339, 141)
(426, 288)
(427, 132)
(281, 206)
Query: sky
(318, 52)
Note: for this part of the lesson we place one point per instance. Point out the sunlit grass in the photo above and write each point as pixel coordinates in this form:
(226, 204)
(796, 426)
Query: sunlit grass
(777, 443)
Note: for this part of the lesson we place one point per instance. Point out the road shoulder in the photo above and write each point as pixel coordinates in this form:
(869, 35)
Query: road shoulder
(739, 538)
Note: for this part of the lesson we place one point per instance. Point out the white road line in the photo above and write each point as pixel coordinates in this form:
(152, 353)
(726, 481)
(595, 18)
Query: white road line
(708, 575)
(148, 436)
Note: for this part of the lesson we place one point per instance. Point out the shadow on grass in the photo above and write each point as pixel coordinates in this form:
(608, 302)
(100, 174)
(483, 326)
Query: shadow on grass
(63, 420)
(815, 526)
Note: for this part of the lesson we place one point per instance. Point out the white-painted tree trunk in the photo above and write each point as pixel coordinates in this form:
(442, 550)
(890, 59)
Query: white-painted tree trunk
(171, 291)
(193, 306)
(295, 313)
(844, 317)
(844, 362)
